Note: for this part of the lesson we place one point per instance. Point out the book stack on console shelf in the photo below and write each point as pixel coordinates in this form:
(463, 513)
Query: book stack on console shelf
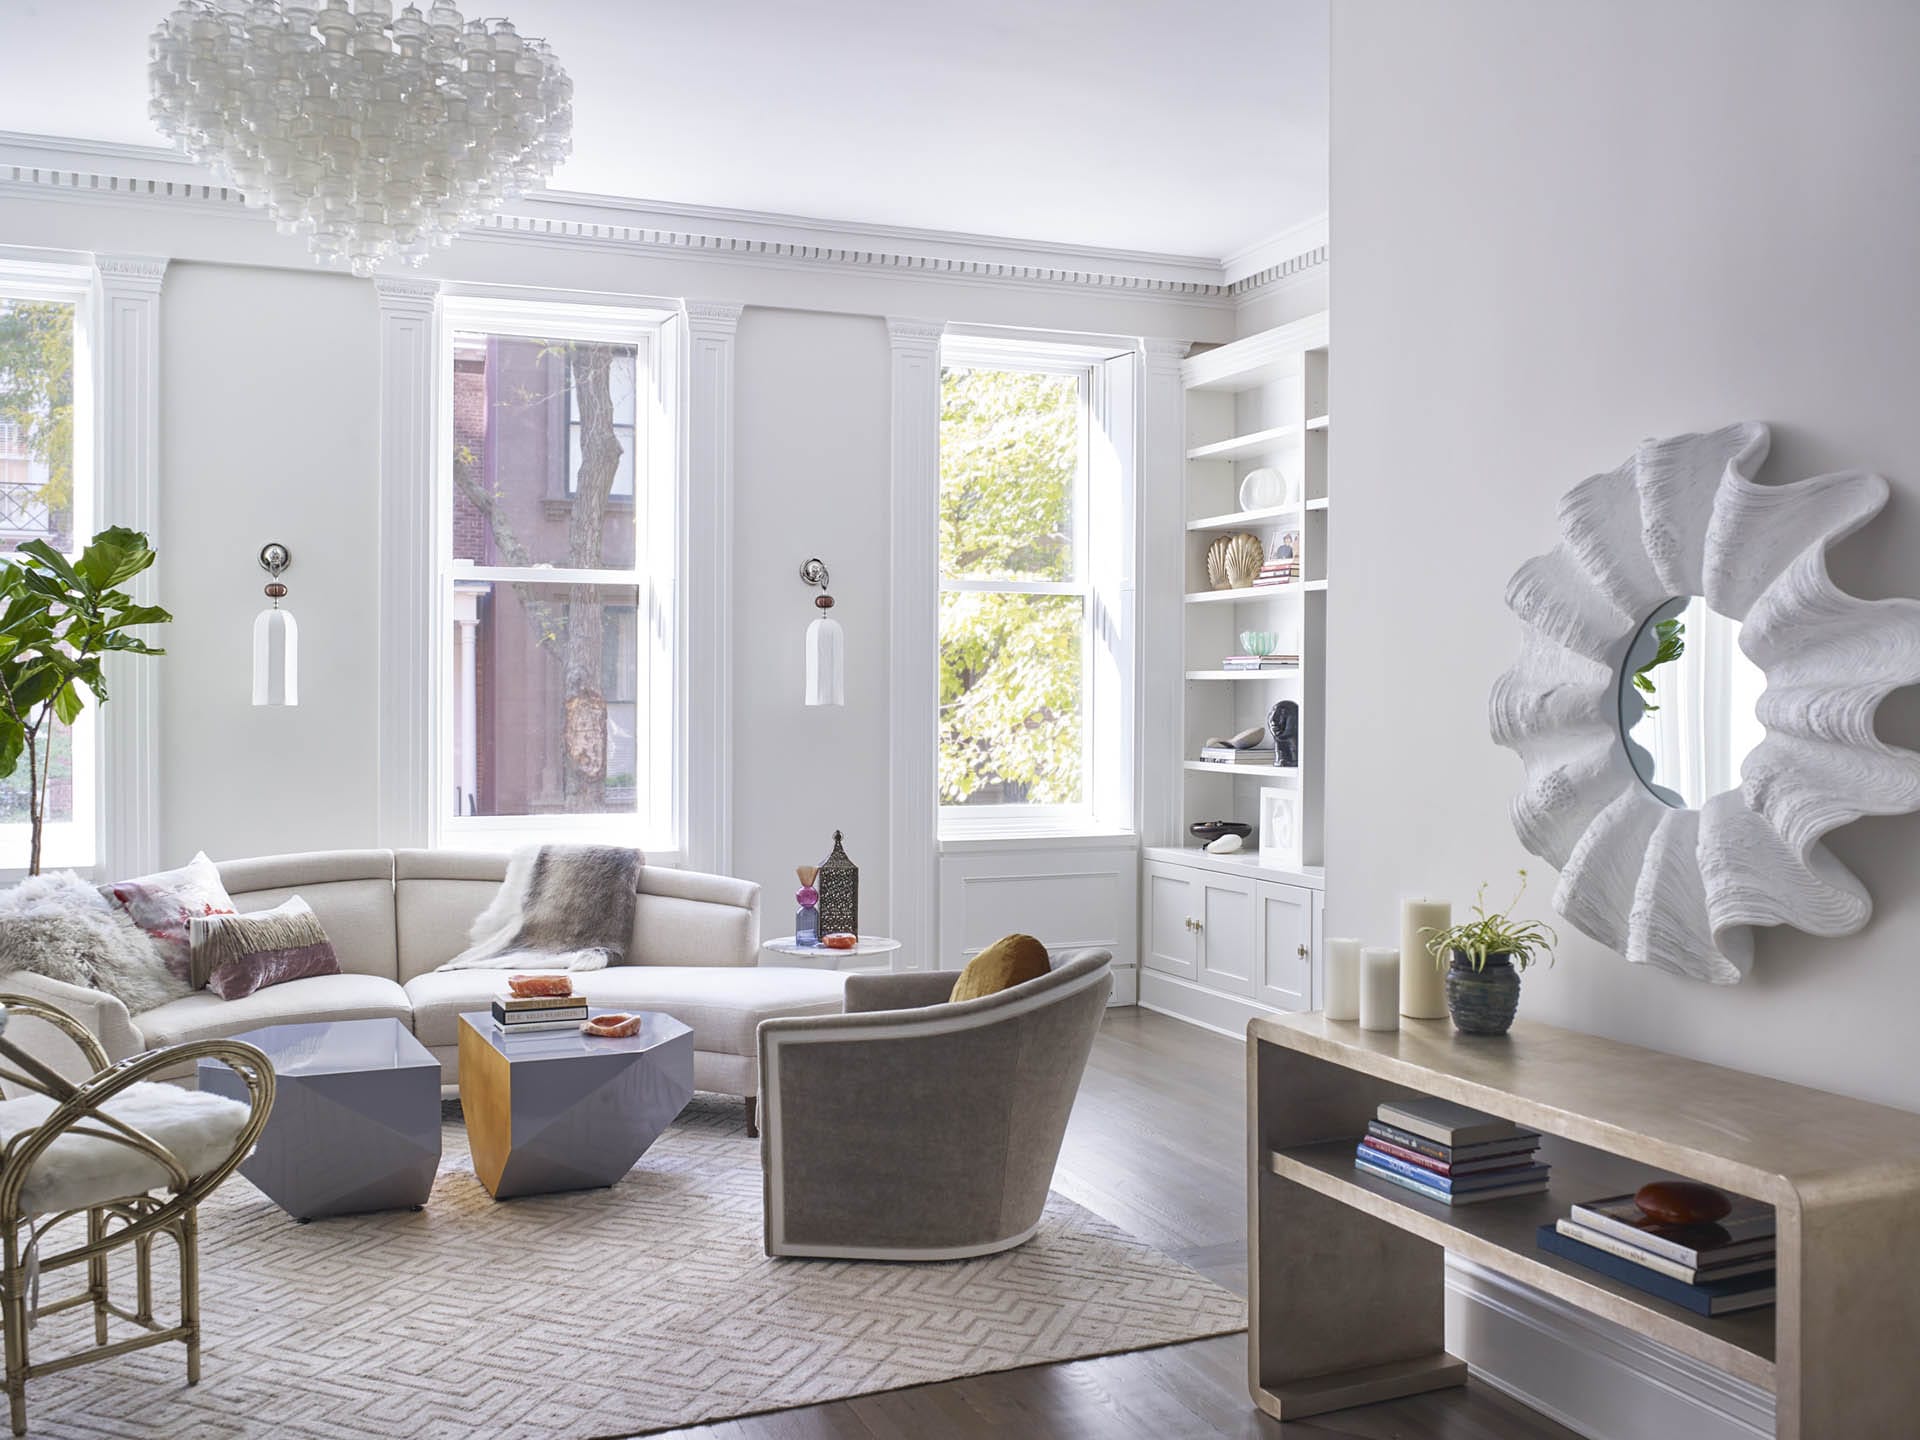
(1450, 1154)
(518, 1014)
(1250, 747)
(1282, 565)
(1711, 1267)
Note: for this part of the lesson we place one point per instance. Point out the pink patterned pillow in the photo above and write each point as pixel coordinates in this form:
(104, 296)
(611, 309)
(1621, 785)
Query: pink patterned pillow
(163, 906)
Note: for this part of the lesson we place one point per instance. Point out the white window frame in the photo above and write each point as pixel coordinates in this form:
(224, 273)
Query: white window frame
(1104, 547)
(658, 825)
(75, 844)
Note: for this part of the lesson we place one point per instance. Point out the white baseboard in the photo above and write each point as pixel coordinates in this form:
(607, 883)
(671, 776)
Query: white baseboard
(1595, 1378)
(1126, 985)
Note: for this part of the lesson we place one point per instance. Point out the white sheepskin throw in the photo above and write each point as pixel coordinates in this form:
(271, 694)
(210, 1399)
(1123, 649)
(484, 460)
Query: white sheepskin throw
(561, 907)
(196, 1126)
(58, 926)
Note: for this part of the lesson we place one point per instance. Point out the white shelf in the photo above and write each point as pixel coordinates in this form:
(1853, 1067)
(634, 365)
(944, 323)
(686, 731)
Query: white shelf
(1253, 592)
(1317, 422)
(1285, 672)
(1256, 360)
(1259, 442)
(1240, 862)
(1265, 772)
(1241, 519)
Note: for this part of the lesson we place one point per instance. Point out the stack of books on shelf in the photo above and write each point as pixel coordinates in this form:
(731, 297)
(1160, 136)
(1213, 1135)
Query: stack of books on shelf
(1215, 754)
(1277, 571)
(1716, 1268)
(1450, 1154)
(516, 1014)
(1261, 662)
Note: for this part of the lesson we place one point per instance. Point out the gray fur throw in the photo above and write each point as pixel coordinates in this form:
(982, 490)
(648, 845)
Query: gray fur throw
(562, 907)
(59, 926)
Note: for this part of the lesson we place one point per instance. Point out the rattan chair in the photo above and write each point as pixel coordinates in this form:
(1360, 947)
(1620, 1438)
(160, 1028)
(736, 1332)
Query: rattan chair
(146, 1192)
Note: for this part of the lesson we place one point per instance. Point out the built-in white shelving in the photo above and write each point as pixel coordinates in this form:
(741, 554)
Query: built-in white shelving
(1227, 936)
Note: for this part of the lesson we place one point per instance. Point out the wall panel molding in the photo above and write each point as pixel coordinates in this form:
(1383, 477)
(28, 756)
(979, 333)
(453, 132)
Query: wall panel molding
(128, 401)
(708, 585)
(409, 329)
(913, 639)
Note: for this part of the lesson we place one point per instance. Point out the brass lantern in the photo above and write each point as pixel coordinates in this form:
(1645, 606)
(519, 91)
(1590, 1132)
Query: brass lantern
(839, 885)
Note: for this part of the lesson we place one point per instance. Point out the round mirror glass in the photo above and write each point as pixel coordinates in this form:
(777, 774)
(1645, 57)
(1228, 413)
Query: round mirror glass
(1688, 696)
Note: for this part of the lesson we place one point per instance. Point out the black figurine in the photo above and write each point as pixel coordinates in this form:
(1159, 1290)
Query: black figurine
(1284, 721)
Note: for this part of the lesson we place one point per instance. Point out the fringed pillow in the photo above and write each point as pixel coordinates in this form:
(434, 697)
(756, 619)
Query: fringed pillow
(235, 955)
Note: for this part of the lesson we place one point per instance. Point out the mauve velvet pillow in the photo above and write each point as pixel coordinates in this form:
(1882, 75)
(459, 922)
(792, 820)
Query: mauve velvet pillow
(235, 955)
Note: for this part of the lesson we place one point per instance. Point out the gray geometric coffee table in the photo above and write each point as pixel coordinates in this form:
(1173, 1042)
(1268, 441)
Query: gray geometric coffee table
(557, 1110)
(356, 1117)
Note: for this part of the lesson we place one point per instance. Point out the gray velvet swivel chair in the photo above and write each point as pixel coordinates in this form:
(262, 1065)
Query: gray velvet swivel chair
(913, 1129)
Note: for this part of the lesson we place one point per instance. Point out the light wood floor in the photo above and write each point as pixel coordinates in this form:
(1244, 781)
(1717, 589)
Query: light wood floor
(1157, 1145)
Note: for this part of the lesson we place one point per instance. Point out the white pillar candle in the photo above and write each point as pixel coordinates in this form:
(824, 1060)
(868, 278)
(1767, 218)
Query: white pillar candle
(1379, 989)
(1423, 996)
(1343, 980)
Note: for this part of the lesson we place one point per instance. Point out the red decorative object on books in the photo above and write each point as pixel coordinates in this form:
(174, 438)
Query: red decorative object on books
(1682, 1202)
(612, 1027)
(525, 985)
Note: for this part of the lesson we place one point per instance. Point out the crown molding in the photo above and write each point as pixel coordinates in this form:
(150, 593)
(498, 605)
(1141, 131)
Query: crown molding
(48, 167)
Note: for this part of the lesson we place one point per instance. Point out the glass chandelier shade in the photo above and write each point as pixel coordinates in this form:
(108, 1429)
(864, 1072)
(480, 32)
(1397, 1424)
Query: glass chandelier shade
(371, 134)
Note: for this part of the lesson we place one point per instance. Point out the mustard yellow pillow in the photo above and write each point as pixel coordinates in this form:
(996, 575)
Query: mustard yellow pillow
(1012, 960)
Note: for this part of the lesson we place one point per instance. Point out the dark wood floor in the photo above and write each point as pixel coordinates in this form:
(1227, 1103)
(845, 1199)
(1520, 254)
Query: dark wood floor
(1156, 1145)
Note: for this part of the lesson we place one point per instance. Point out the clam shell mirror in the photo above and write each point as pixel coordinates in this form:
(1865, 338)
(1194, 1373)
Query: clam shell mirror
(1694, 703)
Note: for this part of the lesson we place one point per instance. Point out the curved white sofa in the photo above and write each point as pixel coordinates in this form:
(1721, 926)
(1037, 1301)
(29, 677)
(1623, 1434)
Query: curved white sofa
(395, 915)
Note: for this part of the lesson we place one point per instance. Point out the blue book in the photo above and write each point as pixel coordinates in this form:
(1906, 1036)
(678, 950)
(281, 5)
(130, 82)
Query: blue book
(1446, 1197)
(1717, 1297)
(1451, 1184)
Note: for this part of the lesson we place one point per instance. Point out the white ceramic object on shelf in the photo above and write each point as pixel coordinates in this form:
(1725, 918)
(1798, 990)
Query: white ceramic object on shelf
(1662, 884)
(1224, 845)
(1266, 488)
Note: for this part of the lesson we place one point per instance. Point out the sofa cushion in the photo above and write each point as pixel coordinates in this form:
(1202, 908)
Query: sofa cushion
(351, 892)
(723, 1005)
(205, 1016)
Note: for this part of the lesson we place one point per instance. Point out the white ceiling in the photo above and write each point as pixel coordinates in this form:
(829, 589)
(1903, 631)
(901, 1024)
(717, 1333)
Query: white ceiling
(1193, 127)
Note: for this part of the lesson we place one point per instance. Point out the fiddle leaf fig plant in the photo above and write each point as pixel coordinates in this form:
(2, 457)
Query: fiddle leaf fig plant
(1494, 933)
(59, 619)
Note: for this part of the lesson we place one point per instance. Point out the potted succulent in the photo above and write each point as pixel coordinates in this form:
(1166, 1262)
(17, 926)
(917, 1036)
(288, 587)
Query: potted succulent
(1483, 958)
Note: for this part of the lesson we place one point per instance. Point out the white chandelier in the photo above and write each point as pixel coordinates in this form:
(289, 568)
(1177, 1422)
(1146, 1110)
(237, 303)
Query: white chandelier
(371, 135)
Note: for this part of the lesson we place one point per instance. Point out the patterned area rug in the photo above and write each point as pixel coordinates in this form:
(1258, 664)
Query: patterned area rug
(601, 1313)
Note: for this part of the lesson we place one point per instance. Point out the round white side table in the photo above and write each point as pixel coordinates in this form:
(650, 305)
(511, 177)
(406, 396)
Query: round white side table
(869, 954)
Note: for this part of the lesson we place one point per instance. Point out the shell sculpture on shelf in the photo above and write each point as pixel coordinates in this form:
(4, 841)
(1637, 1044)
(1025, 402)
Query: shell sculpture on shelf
(1217, 563)
(1682, 888)
(1243, 559)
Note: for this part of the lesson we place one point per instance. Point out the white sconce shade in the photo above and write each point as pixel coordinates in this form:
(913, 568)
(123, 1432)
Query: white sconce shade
(276, 658)
(826, 662)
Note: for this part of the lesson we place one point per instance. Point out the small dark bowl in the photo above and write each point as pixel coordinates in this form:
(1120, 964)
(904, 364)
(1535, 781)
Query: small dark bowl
(1209, 830)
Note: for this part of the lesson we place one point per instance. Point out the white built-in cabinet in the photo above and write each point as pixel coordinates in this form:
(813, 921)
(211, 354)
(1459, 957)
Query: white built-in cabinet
(1225, 938)
(1220, 947)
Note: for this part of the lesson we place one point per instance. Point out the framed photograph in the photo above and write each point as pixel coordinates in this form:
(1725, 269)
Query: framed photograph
(1280, 837)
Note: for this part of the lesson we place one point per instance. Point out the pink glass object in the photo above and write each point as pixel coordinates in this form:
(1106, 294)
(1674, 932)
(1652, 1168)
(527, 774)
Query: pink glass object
(806, 925)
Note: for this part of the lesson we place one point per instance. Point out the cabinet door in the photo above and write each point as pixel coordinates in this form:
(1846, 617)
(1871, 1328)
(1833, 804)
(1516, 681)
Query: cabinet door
(1286, 946)
(1172, 910)
(1226, 935)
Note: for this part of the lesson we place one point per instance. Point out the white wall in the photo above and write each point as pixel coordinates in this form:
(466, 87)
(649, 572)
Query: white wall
(268, 432)
(1561, 229)
(810, 478)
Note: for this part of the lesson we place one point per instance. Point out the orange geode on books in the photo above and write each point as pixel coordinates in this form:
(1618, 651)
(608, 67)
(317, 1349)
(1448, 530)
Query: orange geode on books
(526, 986)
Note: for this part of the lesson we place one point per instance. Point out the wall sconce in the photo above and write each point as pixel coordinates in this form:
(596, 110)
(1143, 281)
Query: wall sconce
(826, 644)
(276, 639)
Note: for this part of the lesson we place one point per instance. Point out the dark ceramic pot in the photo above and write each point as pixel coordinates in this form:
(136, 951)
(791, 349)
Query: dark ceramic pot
(1482, 1001)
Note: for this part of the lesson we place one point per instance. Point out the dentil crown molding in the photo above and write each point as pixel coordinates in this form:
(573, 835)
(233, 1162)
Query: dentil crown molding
(47, 167)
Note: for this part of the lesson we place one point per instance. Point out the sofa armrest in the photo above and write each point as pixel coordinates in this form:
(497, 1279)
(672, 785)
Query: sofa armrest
(907, 990)
(102, 1015)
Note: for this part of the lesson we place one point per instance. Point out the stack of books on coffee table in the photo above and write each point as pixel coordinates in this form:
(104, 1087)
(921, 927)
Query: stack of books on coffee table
(1449, 1153)
(515, 1014)
(1714, 1268)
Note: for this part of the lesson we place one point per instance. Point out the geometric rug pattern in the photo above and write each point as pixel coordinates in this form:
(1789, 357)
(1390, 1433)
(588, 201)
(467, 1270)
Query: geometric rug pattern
(594, 1314)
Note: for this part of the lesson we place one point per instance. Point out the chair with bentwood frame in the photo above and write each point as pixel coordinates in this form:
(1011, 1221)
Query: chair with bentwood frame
(101, 1148)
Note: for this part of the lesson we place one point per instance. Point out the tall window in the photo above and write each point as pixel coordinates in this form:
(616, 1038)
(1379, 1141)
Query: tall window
(46, 493)
(557, 578)
(1035, 504)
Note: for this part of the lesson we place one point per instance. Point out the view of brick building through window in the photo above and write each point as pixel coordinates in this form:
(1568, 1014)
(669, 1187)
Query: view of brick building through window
(545, 666)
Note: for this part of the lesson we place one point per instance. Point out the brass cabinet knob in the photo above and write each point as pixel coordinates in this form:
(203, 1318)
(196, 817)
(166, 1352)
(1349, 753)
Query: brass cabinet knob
(1301, 951)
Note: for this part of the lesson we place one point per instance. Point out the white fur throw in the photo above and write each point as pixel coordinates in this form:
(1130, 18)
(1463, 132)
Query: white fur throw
(59, 926)
(561, 907)
(196, 1126)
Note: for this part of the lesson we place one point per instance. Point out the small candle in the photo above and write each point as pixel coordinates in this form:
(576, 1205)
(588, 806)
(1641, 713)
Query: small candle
(1423, 995)
(1379, 989)
(1343, 980)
